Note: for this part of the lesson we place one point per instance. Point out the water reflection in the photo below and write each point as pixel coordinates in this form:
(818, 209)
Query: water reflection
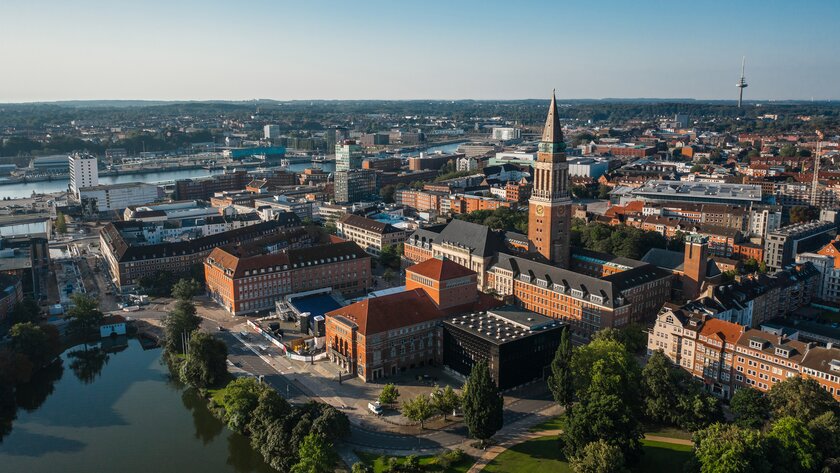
(207, 427)
(30, 396)
(119, 407)
(87, 363)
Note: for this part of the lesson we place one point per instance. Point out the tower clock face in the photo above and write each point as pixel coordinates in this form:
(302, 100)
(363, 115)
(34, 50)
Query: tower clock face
(540, 210)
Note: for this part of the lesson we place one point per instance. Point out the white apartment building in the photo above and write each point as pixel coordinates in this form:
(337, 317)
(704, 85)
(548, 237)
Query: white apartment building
(765, 219)
(271, 132)
(83, 172)
(120, 196)
(506, 133)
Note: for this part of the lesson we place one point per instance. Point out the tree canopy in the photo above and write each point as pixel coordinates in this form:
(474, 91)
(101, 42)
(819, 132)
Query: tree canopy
(185, 289)
(621, 240)
(483, 403)
(84, 315)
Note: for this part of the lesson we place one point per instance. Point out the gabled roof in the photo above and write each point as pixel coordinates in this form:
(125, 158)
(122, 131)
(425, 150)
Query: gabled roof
(440, 269)
(728, 332)
(480, 239)
(367, 224)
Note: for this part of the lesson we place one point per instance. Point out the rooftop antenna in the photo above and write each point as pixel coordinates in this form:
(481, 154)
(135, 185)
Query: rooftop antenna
(742, 84)
(815, 184)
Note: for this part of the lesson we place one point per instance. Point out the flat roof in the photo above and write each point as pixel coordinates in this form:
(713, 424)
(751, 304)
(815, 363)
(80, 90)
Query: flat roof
(679, 189)
(316, 304)
(503, 324)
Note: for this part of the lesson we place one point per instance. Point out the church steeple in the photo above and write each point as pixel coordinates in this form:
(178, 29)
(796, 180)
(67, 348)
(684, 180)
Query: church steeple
(553, 132)
(550, 204)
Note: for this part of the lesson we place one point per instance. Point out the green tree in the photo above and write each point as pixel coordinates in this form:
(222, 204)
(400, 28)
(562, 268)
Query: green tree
(387, 193)
(560, 381)
(445, 400)
(185, 289)
(360, 467)
(26, 310)
(604, 191)
(60, 223)
(801, 214)
(420, 409)
(750, 407)
(331, 423)
(599, 457)
(615, 356)
(697, 408)
(607, 410)
(85, 315)
(389, 394)
(240, 400)
(825, 430)
(791, 446)
(40, 345)
(316, 456)
(660, 389)
(727, 448)
(391, 255)
(271, 407)
(787, 151)
(181, 321)
(802, 398)
(483, 404)
(206, 362)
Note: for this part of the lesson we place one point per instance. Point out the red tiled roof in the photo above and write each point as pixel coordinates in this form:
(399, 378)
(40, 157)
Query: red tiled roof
(728, 331)
(380, 314)
(440, 269)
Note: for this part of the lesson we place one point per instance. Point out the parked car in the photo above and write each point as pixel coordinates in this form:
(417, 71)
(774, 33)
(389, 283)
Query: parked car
(375, 407)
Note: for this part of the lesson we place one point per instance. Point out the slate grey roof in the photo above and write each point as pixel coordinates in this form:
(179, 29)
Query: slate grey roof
(672, 260)
(583, 253)
(480, 239)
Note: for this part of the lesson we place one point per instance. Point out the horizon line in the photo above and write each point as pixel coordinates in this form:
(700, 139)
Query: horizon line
(264, 99)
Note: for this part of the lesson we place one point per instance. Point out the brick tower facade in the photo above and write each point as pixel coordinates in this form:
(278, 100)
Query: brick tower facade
(549, 218)
(694, 265)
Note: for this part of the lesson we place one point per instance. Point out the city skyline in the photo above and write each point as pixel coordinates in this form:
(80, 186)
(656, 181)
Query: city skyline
(94, 50)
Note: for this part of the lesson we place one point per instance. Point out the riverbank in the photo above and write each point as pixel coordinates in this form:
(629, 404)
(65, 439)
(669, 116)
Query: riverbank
(105, 409)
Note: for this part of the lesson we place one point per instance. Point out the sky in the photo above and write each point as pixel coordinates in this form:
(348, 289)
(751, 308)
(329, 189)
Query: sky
(421, 49)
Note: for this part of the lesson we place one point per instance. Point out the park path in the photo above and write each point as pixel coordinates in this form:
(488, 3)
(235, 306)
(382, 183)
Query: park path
(517, 436)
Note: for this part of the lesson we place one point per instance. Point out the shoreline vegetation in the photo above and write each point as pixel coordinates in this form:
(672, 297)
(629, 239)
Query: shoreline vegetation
(296, 439)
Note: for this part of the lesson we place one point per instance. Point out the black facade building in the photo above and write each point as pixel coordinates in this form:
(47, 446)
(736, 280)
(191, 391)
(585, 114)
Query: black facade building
(518, 345)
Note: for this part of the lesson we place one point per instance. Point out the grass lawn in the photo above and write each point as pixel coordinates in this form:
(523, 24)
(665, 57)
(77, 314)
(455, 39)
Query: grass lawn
(555, 423)
(429, 463)
(670, 432)
(543, 454)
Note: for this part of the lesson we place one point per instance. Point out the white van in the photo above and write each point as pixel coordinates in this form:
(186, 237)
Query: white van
(375, 407)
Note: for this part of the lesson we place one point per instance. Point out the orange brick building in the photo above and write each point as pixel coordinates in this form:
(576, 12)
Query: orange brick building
(383, 336)
(465, 203)
(587, 303)
(247, 280)
(727, 356)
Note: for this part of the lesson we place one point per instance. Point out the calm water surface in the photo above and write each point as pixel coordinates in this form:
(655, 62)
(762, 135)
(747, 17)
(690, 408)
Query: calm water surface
(58, 185)
(118, 411)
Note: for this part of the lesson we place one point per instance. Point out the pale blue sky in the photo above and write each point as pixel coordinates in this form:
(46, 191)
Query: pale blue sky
(310, 49)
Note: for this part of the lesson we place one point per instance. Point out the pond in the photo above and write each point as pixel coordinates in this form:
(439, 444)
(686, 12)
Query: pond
(114, 408)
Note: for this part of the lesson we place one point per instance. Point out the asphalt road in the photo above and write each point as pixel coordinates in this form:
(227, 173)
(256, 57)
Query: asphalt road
(361, 435)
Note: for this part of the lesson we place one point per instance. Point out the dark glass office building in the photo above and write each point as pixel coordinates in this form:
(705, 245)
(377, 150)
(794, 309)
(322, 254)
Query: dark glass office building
(518, 345)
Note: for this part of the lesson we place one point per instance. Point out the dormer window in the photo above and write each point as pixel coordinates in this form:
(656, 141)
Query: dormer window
(834, 365)
(757, 344)
(577, 293)
(783, 352)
